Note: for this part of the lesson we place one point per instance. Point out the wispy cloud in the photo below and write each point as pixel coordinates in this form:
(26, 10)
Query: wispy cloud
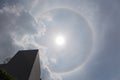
(20, 30)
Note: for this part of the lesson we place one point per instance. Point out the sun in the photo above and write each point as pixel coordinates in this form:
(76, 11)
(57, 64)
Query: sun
(60, 40)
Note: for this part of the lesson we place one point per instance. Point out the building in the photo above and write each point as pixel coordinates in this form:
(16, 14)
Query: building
(25, 65)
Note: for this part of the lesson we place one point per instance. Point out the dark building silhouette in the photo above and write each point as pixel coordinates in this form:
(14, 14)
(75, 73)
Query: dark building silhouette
(25, 65)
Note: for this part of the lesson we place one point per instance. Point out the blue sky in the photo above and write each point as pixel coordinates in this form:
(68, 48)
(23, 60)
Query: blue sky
(91, 29)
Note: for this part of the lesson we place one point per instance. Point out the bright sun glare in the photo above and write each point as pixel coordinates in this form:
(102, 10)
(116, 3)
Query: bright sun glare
(60, 40)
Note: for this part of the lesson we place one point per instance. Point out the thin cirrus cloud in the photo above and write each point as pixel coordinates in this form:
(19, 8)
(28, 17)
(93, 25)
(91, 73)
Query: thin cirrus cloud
(13, 25)
(19, 29)
(104, 61)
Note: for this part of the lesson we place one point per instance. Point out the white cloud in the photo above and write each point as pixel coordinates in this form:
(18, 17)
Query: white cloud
(46, 73)
(19, 30)
(53, 60)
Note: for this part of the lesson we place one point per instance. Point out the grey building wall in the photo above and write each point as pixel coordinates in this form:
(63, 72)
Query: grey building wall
(24, 65)
(35, 73)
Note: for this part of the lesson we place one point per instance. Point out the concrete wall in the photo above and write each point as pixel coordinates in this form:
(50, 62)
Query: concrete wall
(35, 73)
(24, 65)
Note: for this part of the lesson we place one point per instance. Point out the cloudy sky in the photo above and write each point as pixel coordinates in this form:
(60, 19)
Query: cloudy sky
(90, 47)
